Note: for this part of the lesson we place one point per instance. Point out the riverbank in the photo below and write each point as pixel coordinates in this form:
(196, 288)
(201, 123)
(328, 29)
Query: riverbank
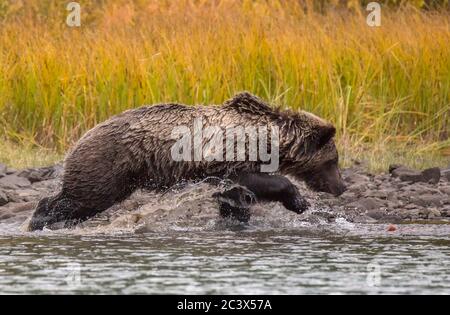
(398, 196)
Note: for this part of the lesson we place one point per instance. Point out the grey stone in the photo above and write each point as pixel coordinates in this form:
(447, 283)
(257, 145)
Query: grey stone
(400, 185)
(28, 194)
(10, 171)
(408, 213)
(407, 175)
(383, 178)
(392, 196)
(3, 199)
(434, 213)
(357, 189)
(355, 178)
(445, 190)
(376, 214)
(14, 182)
(364, 219)
(415, 189)
(427, 200)
(349, 196)
(393, 204)
(380, 194)
(393, 167)
(432, 175)
(446, 174)
(22, 207)
(6, 216)
(366, 204)
(40, 174)
(3, 170)
(412, 207)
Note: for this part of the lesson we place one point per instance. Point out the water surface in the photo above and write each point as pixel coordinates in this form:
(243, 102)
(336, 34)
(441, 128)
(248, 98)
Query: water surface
(332, 259)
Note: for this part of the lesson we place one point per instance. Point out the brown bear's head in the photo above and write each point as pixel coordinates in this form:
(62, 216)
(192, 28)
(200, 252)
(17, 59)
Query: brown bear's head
(309, 152)
(307, 149)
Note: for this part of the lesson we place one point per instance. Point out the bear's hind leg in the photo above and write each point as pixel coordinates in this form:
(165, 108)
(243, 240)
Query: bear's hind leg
(51, 210)
(59, 209)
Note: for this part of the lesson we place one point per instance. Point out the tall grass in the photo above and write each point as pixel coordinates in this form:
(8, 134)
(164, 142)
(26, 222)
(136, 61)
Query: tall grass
(384, 88)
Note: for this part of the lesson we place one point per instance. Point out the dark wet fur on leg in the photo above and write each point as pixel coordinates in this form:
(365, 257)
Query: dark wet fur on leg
(275, 188)
(57, 209)
(236, 202)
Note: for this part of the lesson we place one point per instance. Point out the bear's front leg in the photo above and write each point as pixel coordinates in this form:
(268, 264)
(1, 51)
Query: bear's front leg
(274, 188)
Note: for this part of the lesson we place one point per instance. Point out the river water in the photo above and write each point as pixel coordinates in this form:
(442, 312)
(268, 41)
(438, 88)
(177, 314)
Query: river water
(337, 258)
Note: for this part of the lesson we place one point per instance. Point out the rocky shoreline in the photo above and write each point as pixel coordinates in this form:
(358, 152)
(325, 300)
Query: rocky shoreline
(401, 195)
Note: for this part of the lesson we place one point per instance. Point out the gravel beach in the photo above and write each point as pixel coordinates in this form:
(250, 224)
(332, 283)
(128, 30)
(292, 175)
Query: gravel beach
(399, 196)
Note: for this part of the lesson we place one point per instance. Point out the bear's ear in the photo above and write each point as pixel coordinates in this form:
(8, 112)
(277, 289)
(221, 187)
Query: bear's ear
(324, 134)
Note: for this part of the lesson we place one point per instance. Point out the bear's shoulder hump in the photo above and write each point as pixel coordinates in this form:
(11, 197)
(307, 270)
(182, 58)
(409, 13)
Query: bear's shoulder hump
(246, 102)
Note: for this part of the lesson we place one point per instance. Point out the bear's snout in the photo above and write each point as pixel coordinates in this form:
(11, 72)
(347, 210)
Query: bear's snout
(326, 179)
(339, 190)
(334, 183)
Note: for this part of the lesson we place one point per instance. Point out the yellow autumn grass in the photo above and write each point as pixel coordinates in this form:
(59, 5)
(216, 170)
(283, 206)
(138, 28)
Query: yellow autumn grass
(386, 89)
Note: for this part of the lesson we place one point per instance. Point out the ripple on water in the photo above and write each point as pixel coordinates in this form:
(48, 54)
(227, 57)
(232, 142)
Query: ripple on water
(182, 248)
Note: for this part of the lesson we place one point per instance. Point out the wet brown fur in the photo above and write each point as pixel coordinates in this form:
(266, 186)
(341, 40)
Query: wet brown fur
(133, 150)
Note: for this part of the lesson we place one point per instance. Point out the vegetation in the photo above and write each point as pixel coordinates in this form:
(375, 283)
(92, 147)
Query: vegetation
(387, 89)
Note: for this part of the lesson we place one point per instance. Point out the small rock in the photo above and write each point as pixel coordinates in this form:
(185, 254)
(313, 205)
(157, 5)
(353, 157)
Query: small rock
(3, 199)
(355, 178)
(35, 175)
(6, 216)
(408, 214)
(28, 193)
(24, 195)
(22, 207)
(349, 196)
(383, 178)
(421, 189)
(364, 220)
(393, 167)
(376, 214)
(427, 200)
(411, 207)
(380, 194)
(357, 189)
(434, 213)
(446, 174)
(408, 175)
(3, 170)
(10, 171)
(432, 175)
(392, 196)
(14, 182)
(366, 204)
(393, 204)
(445, 190)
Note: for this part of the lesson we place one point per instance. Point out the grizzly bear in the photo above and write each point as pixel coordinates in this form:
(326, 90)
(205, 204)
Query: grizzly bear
(135, 149)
